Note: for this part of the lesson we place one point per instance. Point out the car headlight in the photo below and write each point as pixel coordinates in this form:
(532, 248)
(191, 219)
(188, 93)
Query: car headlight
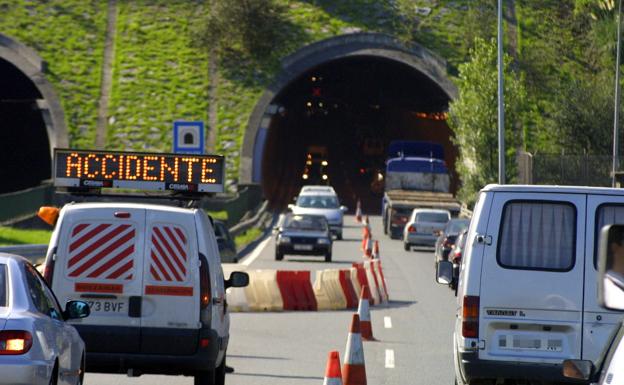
(283, 239)
(323, 241)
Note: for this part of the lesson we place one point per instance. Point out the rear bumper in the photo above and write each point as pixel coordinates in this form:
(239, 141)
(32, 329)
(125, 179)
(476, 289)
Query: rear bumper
(421, 239)
(474, 368)
(316, 250)
(25, 372)
(144, 363)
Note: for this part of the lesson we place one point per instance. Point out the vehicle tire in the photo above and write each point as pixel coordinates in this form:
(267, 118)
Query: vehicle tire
(220, 372)
(406, 246)
(54, 376)
(206, 377)
(328, 257)
(279, 256)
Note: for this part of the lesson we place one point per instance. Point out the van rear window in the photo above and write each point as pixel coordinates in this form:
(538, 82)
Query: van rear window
(537, 236)
(432, 217)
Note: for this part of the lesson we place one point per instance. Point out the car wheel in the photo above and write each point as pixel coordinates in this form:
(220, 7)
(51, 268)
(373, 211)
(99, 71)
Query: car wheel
(220, 372)
(406, 246)
(54, 376)
(328, 257)
(205, 378)
(279, 256)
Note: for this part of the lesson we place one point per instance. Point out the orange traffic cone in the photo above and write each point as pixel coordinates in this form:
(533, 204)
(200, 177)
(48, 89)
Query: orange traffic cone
(358, 211)
(365, 236)
(333, 376)
(375, 250)
(368, 248)
(353, 369)
(364, 313)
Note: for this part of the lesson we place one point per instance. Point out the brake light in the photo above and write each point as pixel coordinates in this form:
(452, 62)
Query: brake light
(204, 284)
(411, 229)
(14, 342)
(470, 317)
(122, 214)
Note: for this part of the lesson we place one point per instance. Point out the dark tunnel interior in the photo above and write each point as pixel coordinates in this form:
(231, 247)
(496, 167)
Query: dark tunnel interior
(25, 148)
(346, 112)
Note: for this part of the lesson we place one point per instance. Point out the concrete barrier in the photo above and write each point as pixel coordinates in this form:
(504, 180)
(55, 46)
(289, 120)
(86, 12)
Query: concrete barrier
(236, 299)
(372, 283)
(296, 290)
(355, 282)
(262, 293)
(383, 279)
(347, 288)
(328, 291)
(376, 269)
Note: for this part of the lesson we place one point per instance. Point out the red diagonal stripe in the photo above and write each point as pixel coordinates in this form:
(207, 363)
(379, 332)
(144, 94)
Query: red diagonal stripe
(79, 228)
(112, 262)
(155, 273)
(165, 258)
(77, 243)
(115, 274)
(160, 266)
(172, 254)
(181, 234)
(176, 243)
(99, 242)
(102, 254)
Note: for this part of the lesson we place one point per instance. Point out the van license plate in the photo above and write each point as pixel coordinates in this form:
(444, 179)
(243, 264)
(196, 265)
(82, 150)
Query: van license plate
(107, 306)
(302, 247)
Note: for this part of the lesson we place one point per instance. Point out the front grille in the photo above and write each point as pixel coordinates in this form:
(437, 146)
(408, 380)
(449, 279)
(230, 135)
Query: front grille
(303, 240)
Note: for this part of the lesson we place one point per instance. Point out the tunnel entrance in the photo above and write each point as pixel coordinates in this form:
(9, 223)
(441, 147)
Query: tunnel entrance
(347, 111)
(24, 142)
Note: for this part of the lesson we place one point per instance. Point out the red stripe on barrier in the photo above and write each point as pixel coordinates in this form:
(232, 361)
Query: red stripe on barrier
(296, 290)
(361, 274)
(377, 287)
(347, 289)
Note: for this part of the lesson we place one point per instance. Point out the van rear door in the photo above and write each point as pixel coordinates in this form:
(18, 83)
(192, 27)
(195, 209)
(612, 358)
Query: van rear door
(531, 293)
(98, 261)
(170, 306)
(598, 323)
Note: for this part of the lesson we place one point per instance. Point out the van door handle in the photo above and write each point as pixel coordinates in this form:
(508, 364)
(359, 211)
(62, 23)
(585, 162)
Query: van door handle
(134, 307)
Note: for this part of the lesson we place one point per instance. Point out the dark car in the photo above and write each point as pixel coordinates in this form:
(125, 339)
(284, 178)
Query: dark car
(227, 247)
(455, 256)
(446, 239)
(303, 234)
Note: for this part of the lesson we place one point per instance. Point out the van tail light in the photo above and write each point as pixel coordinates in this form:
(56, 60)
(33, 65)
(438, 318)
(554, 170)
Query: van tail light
(470, 317)
(411, 229)
(48, 269)
(15, 342)
(204, 284)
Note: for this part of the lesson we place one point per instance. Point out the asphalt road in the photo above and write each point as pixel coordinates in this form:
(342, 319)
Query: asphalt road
(292, 347)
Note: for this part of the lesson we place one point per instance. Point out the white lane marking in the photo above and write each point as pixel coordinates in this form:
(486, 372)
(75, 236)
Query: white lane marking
(256, 253)
(389, 358)
(387, 322)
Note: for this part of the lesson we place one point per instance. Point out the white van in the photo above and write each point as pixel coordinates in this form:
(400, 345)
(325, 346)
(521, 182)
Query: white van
(527, 283)
(153, 279)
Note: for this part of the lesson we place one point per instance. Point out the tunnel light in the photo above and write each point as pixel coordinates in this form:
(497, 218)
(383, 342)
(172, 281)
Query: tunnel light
(325, 177)
(308, 162)
(309, 104)
(320, 104)
(379, 176)
(305, 176)
(313, 78)
(324, 163)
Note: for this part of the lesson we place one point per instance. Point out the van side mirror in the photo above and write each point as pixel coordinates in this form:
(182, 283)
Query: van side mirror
(578, 369)
(291, 206)
(76, 309)
(444, 272)
(237, 279)
(611, 267)
(344, 209)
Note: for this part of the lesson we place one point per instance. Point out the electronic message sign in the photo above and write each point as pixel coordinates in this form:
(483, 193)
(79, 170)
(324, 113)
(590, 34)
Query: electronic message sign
(138, 170)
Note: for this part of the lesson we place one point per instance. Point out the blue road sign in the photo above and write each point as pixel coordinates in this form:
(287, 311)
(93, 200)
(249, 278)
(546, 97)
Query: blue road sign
(188, 137)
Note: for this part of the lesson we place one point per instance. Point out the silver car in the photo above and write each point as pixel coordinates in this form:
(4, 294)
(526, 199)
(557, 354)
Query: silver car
(323, 203)
(37, 346)
(423, 227)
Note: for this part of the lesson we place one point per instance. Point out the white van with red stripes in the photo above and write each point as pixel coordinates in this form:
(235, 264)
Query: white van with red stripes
(526, 297)
(153, 279)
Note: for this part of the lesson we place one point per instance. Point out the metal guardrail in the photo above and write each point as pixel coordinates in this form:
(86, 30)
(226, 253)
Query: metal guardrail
(251, 222)
(33, 253)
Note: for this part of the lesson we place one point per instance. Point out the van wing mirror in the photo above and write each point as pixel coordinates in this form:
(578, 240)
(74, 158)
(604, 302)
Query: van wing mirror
(237, 279)
(611, 267)
(444, 272)
(291, 206)
(578, 369)
(344, 209)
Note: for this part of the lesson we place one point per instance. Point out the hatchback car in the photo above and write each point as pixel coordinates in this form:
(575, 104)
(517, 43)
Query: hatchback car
(422, 227)
(37, 346)
(447, 237)
(303, 235)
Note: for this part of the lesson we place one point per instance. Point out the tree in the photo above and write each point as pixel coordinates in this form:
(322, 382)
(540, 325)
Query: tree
(474, 118)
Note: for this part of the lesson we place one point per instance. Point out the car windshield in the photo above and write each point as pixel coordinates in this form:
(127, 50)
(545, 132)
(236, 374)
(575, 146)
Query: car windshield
(3, 286)
(457, 226)
(317, 202)
(432, 217)
(305, 222)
